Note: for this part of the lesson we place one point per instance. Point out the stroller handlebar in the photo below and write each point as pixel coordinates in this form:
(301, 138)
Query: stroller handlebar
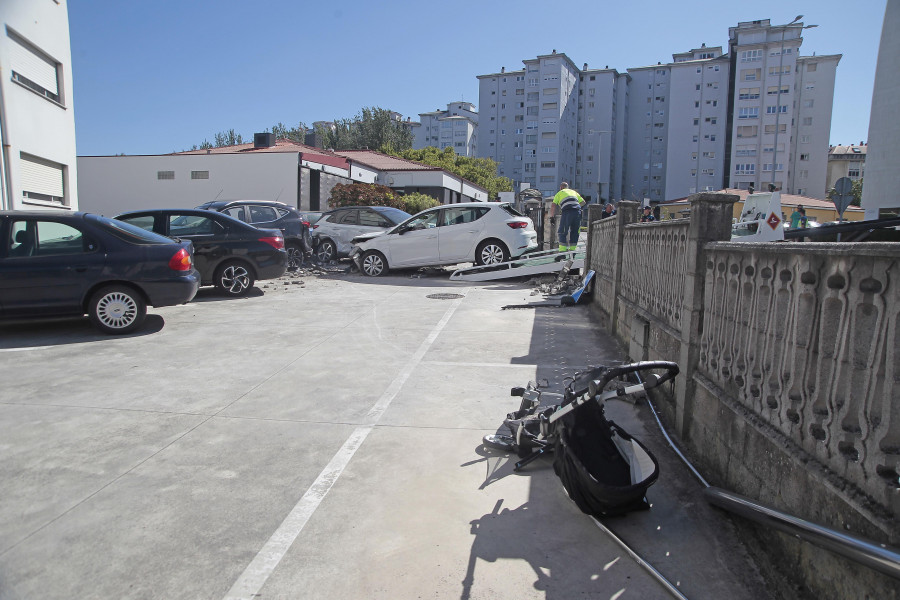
(671, 370)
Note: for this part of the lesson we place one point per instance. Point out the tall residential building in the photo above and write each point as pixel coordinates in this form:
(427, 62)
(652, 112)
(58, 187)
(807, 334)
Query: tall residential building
(755, 115)
(456, 127)
(37, 121)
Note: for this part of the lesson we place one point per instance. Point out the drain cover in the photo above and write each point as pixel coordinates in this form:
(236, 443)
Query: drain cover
(445, 296)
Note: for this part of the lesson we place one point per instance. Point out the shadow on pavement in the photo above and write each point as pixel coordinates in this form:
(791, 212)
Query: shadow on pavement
(34, 333)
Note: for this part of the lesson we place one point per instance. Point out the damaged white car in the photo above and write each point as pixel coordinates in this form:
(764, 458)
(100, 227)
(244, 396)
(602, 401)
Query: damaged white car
(481, 232)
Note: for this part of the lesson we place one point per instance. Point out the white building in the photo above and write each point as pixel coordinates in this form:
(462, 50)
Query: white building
(296, 174)
(456, 127)
(37, 120)
(882, 181)
(756, 115)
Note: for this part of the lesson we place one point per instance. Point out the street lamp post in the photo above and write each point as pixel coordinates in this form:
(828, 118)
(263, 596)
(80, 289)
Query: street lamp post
(793, 23)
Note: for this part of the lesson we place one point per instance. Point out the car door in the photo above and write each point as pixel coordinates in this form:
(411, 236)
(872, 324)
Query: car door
(48, 268)
(416, 242)
(459, 231)
(346, 228)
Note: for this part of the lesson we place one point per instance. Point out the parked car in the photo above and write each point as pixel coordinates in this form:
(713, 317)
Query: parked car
(56, 263)
(312, 217)
(267, 214)
(228, 253)
(481, 232)
(336, 229)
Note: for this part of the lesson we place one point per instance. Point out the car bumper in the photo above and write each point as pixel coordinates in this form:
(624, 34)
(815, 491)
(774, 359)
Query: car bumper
(526, 244)
(170, 292)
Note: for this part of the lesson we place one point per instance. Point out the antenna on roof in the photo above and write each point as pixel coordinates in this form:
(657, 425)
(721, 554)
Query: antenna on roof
(219, 194)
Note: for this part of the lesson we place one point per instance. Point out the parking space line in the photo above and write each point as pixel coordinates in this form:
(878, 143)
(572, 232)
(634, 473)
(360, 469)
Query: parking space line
(254, 577)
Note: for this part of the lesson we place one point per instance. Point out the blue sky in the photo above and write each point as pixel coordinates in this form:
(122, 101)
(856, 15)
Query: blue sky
(161, 76)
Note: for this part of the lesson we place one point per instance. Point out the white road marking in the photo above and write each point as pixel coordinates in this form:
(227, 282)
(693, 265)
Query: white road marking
(259, 570)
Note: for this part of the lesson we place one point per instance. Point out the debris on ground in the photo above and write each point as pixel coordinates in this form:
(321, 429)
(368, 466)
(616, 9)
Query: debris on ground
(562, 283)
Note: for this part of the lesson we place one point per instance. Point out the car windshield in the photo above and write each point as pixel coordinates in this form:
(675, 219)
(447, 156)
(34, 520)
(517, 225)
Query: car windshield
(394, 214)
(127, 232)
(509, 208)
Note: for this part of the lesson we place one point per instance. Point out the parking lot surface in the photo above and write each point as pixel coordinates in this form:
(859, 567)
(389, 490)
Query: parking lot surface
(321, 439)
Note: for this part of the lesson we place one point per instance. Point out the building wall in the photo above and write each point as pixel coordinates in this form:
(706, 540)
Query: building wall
(813, 99)
(882, 168)
(30, 122)
(112, 184)
(845, 161)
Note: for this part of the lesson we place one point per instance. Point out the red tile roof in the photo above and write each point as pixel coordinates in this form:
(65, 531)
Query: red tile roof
(384, 162)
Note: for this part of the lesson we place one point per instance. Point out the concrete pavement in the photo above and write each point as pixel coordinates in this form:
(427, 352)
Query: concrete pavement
(322, 441)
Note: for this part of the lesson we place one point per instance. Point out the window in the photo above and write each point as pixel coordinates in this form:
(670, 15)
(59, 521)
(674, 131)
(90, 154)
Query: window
(551, 91)
(768, 167)
(165, 175)
(745, 169)
(782, 128)
(748, 94)
(810, 86)
(771, 110)
(550, 105)
(47, 238)
(804, 174)
(807, 120)
(548, 149)
(199, 174)
(531, 125)
(751, 55)
(548, 135)
(546, 178)
(810, 67)
(548, 164)
(42, 179)
(711, 137)
(785, 69)
(804, 139)
(520, 92)
(748, 112)
(530, 167)
(745, 151)
(713, 85)
(747, 131)
(709, 155)
(751, 74)
(711, 120)
(808, 103)
(33, 69)
(772, 90)
(519, 131)
(696, 121)
(531, 139)
(804, 156)
(853, 169)
(180, 225)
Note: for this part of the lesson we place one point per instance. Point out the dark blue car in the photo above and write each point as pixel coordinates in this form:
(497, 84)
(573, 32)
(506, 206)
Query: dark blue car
(55, 263)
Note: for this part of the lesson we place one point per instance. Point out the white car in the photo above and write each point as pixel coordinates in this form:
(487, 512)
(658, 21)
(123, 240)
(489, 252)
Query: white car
(481, 232)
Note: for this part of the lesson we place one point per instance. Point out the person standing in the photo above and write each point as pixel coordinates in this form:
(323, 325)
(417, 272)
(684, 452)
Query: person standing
(798, 214)
(569, 202)
(647, 217)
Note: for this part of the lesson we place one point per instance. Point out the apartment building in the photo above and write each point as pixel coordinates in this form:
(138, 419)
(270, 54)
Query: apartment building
(846, 161)
(456, 127)
(754, 115)
(37, 121)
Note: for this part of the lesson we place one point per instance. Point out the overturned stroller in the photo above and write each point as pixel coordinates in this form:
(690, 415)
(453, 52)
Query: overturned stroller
(604, 470)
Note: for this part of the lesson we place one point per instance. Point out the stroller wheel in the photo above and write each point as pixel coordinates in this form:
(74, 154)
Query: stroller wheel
(499, 442)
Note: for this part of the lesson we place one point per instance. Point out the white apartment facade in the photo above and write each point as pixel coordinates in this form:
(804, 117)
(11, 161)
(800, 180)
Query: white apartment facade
(705, 121)
(37, 121)
(456, 127)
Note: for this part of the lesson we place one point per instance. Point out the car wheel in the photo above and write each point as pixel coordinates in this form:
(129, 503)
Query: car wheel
(326, 251)
(117, 309)
(374, 264)
(234, 279)
(295, 256)
(491, 252)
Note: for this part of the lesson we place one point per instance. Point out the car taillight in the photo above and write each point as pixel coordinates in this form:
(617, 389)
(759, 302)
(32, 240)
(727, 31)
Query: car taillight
(276, 242)
(518, 224)
(181, 261)
(305, 223)
(315, 226)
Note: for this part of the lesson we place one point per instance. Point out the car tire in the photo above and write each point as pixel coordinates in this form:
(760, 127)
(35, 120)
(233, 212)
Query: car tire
(491, 252)
(117, 309)
(326, 251)
(234, 278)
(374, 264)
(295, 256)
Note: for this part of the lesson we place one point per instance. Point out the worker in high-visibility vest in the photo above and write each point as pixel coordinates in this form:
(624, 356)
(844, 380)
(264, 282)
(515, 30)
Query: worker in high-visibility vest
(568, 202)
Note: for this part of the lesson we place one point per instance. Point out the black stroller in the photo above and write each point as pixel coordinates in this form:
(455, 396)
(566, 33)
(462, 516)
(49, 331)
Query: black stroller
(603, 469)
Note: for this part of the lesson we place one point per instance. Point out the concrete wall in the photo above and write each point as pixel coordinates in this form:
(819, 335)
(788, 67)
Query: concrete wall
(114, 184)
(31, 123)
(788, 354)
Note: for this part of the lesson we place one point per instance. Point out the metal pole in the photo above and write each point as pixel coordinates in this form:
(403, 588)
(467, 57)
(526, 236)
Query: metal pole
(777, 104)
(875, 556)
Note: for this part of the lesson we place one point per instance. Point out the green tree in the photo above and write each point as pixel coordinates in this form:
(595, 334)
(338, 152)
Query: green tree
(363, 194)
(295, 134)
(855, 191)
(417, 202)
(480, 171)
(228, 138)
(373, 128)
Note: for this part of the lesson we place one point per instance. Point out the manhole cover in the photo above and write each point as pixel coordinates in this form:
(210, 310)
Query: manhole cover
(445, 296)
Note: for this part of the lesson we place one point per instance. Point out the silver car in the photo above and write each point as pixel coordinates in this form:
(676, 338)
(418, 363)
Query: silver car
(336, 229)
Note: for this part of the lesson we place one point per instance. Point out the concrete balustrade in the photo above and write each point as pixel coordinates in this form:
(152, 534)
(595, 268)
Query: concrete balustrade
(789, 355)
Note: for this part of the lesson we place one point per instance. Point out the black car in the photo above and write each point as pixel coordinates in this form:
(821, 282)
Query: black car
(271, 215)
(55, 263)
(228, 253)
